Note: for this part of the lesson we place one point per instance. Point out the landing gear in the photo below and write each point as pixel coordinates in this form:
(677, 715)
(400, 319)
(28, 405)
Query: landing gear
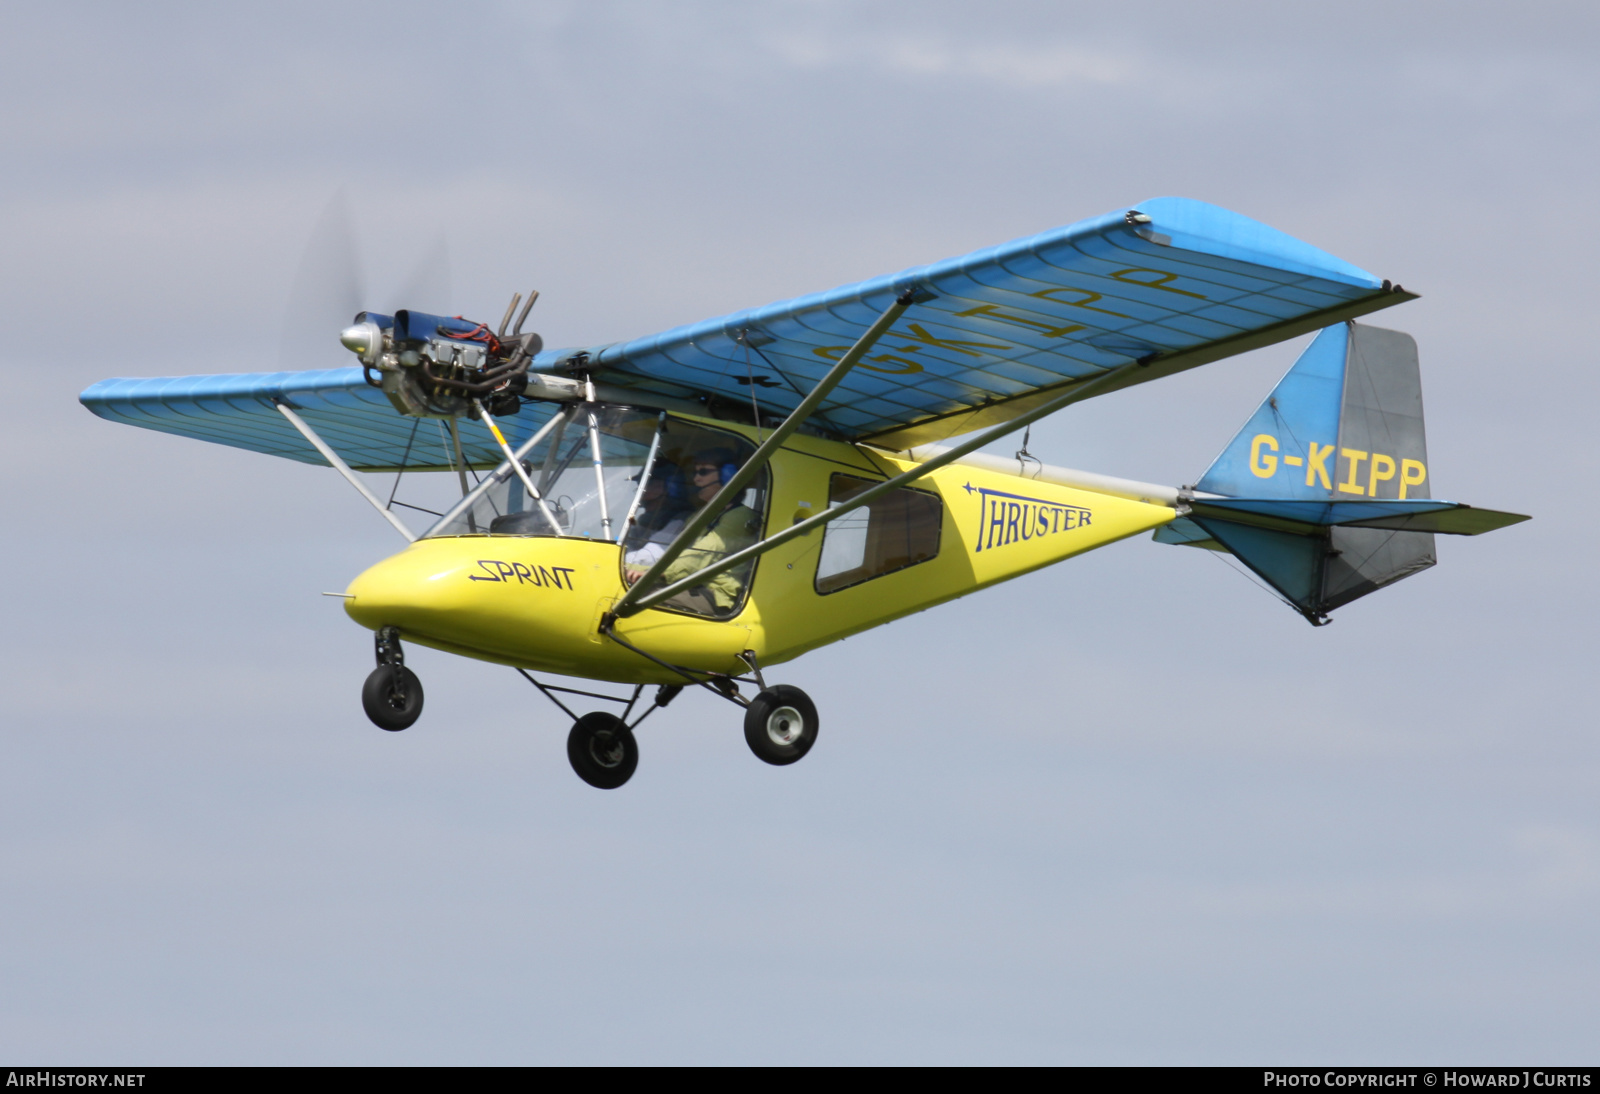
(392, 695)
(602, 750)
(780, 724)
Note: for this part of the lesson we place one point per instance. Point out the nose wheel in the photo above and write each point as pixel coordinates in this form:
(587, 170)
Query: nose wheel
(602, 750)
(392, 695)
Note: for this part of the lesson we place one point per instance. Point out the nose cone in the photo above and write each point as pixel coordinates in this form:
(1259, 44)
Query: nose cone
(413, 590)
(524, 600)
(365, 340)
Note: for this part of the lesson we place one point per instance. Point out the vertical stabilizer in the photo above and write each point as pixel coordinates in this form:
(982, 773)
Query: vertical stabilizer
(1345, 423)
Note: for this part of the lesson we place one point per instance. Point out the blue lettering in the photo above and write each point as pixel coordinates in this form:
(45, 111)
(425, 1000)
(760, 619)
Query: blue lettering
(1002, 522)
(997, 519)
(485, 563)
(523, 573)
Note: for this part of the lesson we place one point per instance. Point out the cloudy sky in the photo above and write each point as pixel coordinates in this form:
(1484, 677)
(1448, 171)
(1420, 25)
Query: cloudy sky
(1128, 809)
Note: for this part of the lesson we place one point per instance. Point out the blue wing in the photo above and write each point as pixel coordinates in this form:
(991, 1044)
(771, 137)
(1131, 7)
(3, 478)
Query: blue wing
(1174, 284)
(355, 419)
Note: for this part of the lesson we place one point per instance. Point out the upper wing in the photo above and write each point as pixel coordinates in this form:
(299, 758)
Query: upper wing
(1174, 283)
(355, 419)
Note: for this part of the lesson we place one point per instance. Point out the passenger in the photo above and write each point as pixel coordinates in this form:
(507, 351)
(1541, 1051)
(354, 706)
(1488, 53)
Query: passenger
(658, 521)
(734, 530)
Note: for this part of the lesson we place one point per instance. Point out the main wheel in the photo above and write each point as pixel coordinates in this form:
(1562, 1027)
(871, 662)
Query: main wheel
(602, 750)
(780, 724)
(392, 697)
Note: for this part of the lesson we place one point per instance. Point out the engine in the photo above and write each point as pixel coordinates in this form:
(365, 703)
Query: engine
(435, 366)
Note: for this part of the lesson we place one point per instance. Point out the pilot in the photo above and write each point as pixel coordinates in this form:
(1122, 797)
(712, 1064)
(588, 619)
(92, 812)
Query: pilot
(658, 521)
(736, 529)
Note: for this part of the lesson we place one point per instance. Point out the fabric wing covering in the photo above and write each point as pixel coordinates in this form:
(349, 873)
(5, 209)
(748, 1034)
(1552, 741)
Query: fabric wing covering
(1172, 284)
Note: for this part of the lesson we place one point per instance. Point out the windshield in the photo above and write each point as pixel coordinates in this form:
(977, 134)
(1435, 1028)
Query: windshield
(631, 477)
(584, 467)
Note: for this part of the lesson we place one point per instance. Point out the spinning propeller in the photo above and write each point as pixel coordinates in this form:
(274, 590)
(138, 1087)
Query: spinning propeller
(429, 365)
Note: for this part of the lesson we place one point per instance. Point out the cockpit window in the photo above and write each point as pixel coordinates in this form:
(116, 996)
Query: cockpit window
(593, 477)
(692, 463)
(585, 470)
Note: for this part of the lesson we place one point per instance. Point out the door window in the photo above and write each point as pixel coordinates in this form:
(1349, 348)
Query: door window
(898, 530)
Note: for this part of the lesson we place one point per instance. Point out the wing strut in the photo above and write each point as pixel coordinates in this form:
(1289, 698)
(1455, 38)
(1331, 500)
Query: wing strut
(500, 474)
(343, 468)
(516, 464)
(1085, 390)
(634, 600)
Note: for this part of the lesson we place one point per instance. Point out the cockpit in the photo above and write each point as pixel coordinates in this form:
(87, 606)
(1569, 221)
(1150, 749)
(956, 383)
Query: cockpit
(632, 477)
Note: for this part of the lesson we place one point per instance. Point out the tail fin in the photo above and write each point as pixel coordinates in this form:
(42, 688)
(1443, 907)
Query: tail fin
(1326, 492)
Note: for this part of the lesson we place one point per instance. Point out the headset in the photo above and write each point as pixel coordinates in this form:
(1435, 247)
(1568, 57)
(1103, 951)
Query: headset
(672, 479)
(723, 458)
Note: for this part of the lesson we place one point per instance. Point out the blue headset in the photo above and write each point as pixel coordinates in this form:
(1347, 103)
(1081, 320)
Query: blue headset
(670, 475)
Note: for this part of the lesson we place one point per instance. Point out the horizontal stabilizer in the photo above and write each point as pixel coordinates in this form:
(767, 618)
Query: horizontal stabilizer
(1416, 515)
(1184, 532)
(1463, 520)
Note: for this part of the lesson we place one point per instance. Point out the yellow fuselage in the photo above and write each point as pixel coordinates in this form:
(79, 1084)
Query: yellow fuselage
(537, 602)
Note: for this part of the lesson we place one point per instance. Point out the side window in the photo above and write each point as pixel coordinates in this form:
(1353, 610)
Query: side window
(898, 530)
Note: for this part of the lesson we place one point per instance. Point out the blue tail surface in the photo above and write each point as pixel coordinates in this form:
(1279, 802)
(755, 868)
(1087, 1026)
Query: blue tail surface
(1325, 493)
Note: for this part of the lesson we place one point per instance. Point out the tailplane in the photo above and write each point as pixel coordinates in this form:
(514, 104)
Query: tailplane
(1326, 493)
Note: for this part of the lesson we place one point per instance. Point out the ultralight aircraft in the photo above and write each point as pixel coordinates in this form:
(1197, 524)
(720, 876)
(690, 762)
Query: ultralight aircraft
(695, 507)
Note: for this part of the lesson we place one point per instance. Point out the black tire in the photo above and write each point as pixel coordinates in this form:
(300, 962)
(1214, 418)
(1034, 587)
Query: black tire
(780, 724)
(392, 697)
(602, 750)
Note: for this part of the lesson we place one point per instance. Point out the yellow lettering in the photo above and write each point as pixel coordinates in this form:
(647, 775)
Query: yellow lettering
(1317, 465)
(1350, 485)
(1379, 460)
(1293, 461)
(1263, 467)
(1160, 282)
(992, 311)
(1412, 473)
(910, 365)
(916, 331)
(833, 353)
(1087, 302)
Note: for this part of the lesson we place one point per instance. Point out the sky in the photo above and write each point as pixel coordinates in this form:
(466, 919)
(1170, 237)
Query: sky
(1128, 809)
